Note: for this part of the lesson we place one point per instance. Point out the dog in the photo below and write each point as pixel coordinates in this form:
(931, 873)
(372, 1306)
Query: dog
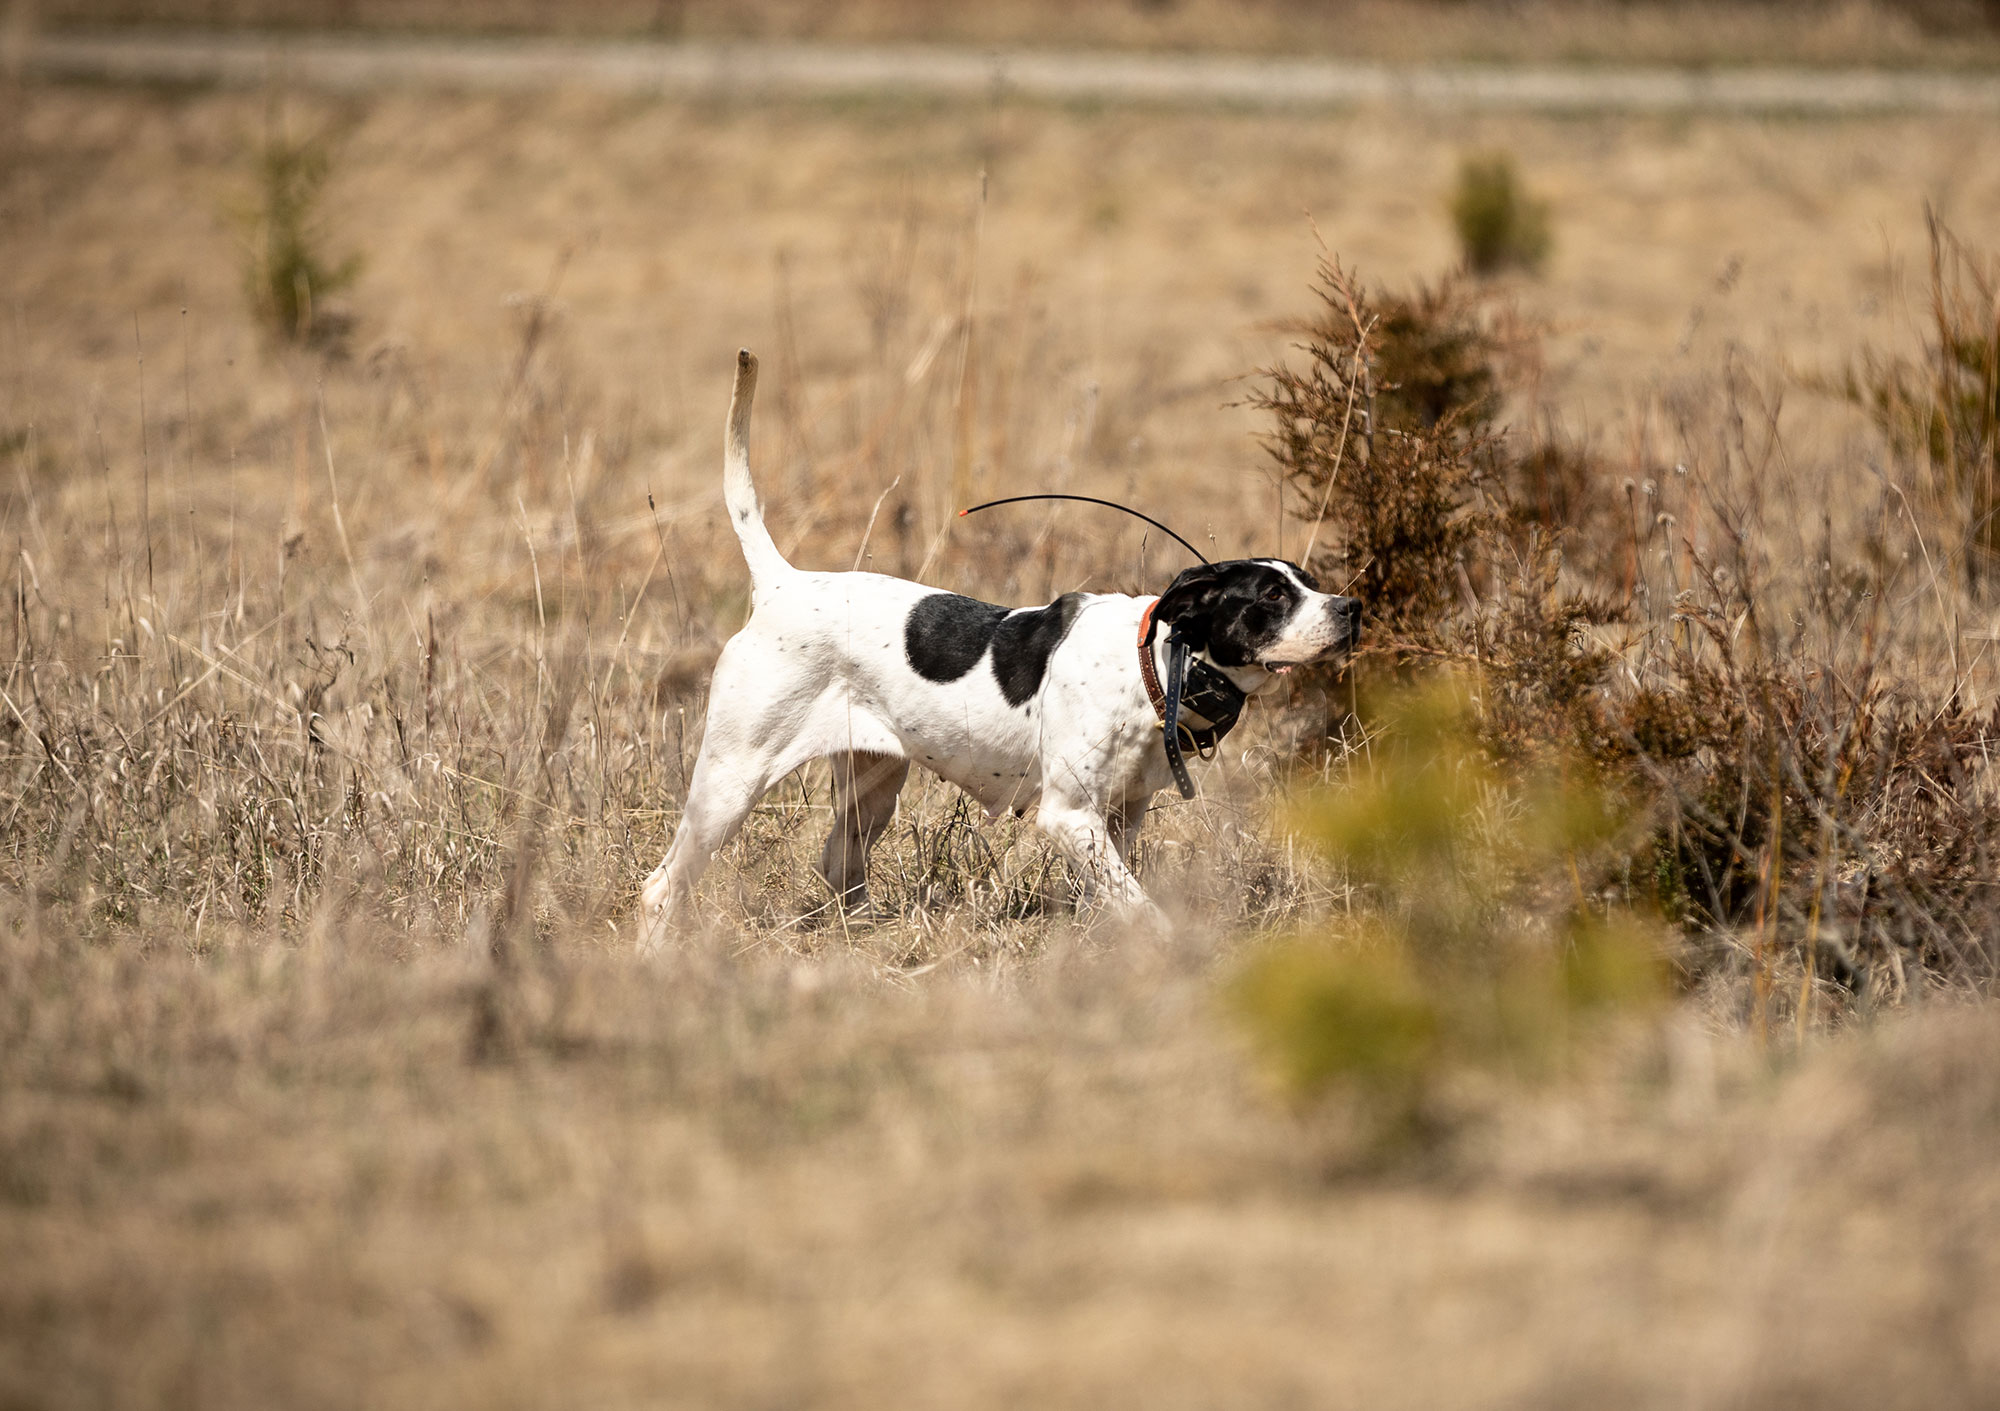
(1058, 708)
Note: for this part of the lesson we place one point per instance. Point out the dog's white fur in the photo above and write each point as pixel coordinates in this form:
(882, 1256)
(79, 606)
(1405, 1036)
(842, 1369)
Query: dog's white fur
(821, 671)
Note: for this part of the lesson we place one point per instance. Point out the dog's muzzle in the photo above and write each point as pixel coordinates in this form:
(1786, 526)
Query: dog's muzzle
(1346, 613)
(1344, 633)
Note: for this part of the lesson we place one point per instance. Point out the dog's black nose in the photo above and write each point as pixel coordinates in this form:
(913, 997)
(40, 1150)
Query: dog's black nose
(1347, 611)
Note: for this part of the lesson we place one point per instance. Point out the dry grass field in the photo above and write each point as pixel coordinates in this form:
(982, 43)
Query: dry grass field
(350, 690)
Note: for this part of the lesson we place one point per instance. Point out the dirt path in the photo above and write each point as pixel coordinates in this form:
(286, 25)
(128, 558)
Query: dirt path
(349, 63)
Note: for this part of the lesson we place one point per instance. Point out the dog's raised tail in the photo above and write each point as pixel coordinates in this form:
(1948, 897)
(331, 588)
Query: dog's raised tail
(739, 493)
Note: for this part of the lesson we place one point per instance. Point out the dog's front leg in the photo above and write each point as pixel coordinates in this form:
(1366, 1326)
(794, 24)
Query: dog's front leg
(1126, 820)
(1086, 836)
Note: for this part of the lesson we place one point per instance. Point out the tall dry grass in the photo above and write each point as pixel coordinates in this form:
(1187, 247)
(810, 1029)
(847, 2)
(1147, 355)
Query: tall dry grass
(467, 695)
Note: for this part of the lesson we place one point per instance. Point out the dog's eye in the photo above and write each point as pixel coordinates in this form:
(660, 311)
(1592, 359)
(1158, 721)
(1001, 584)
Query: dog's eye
(1274, 595)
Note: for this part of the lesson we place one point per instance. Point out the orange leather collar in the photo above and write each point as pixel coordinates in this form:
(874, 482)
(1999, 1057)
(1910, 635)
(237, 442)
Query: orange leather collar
(1148, 671)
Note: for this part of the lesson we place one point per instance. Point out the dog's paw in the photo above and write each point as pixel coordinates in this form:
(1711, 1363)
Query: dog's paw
(1146, 919)
(1137, 916)
(657, 926)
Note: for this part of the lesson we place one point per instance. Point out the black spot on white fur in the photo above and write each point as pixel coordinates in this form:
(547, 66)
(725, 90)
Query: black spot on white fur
(1022, 643)
(946, 635)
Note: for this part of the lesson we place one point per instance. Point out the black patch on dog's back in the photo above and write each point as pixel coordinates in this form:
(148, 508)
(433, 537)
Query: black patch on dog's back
(946, 635)
(1022, 643)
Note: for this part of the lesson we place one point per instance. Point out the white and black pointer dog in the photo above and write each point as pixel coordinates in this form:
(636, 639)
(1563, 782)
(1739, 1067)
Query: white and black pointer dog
(1054, 707)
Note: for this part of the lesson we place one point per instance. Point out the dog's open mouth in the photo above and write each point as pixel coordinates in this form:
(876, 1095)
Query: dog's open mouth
(1282, 668)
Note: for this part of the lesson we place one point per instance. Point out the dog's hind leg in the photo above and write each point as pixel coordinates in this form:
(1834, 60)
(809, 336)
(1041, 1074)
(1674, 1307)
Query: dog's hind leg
(766, 717)
(865, 789)
(752, 741)
(719, 799)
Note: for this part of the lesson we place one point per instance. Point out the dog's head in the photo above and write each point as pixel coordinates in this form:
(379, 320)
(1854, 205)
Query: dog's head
(1259, 613)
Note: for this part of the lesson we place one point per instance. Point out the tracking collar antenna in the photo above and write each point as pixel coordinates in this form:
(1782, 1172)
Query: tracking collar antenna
(1091, 500)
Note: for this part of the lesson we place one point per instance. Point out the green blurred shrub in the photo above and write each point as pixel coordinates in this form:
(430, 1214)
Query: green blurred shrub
(1322, 1014)
(1477, 948)
(288, 274)
(1500, 226)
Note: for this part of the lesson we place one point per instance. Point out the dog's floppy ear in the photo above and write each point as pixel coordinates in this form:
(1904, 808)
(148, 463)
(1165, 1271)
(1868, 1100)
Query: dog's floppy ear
(1187, 600)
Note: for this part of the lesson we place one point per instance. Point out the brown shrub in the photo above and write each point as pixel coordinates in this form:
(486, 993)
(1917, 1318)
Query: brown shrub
(1818, 801)
(1385, 433)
